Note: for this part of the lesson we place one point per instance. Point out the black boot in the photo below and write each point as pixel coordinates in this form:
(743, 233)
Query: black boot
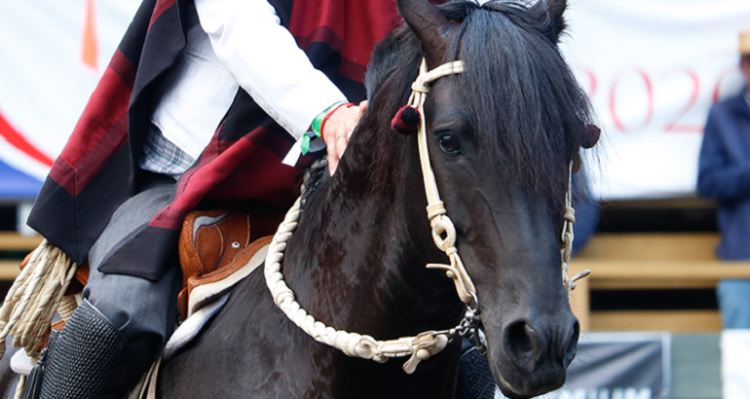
(84, 358)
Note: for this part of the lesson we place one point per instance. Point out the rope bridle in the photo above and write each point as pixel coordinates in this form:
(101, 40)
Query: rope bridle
(428, 343)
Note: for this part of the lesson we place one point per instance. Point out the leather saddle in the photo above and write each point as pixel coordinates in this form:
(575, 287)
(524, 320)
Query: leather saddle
(215, 245)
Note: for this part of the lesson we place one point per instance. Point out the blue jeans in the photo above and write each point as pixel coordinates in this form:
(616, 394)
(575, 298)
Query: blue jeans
(734, 303)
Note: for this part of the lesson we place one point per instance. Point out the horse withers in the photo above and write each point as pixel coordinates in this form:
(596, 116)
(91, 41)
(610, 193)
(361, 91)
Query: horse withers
(502, 136)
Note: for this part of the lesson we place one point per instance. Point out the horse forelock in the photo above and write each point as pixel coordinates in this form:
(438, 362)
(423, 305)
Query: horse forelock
(530, 122)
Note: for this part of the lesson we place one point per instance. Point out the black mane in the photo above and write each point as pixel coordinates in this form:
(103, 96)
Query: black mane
(533, 118)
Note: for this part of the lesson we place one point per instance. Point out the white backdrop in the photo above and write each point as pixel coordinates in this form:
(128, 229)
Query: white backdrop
(44, 78)
(651, 67)
(735, 375)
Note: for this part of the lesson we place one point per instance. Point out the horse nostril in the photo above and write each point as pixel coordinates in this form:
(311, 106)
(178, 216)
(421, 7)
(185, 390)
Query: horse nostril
(572, 346)
(519, 337)
(522, 343)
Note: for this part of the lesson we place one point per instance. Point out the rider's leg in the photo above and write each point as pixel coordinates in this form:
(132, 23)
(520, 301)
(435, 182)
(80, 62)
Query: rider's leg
(115, 335)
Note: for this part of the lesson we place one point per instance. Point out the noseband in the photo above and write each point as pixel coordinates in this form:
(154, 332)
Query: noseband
(428, 343)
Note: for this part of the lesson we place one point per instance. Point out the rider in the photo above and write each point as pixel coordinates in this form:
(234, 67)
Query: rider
(202, 99)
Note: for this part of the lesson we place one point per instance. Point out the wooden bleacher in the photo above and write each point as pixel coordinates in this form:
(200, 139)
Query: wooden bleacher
(651, 261)
(639, 261)
(14, 242)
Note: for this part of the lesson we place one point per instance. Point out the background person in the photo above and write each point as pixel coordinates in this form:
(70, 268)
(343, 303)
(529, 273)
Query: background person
(724, 175)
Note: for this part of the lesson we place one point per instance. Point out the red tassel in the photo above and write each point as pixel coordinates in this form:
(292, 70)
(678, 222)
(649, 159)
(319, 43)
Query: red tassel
(406, 120)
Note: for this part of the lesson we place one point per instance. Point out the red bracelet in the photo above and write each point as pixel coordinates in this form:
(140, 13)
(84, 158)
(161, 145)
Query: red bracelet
(325, 119)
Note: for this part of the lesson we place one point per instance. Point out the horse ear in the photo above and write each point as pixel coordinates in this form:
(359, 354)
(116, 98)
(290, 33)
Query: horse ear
(551, 11)
(590, 136)
(426, 21)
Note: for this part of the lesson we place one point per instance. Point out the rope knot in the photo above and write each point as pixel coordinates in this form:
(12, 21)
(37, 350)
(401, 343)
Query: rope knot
(423, 346)
(435, 210)
(420, 87)
(570, 215)
(443, 225)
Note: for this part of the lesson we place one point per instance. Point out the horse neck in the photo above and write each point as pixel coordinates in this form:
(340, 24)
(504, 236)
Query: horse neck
(357, 260)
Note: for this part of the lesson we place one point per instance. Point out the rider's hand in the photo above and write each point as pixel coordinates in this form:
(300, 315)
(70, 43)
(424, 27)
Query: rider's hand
(337, 130)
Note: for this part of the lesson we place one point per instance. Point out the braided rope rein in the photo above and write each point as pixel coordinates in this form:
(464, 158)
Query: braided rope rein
(31, 302)
(428, 343)
(420, 347)
(36, 294)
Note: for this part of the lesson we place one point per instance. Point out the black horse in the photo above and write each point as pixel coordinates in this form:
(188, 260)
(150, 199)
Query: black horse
(502, 136)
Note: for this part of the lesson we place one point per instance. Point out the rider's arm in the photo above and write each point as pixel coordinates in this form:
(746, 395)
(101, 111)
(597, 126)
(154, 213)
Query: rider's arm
(265, 60)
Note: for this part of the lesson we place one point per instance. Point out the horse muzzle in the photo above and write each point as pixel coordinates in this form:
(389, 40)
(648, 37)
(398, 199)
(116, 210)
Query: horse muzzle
(532, 357)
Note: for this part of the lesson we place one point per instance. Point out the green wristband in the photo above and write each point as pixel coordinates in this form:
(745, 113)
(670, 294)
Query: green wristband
(319, 119)
(305, 144)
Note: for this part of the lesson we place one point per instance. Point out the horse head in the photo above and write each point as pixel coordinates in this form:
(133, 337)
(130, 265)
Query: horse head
(502, 137)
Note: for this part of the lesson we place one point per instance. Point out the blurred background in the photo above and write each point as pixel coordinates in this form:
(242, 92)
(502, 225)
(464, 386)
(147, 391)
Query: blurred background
(652, 69)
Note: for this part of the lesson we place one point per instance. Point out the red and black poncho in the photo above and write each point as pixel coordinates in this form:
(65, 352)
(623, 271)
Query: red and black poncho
(96, 172)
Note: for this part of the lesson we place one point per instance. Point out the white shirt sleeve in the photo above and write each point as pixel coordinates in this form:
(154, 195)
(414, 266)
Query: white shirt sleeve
(264, 58)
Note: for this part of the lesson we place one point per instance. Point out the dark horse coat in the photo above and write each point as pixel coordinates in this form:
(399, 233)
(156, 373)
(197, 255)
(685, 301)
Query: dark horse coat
(97, 170)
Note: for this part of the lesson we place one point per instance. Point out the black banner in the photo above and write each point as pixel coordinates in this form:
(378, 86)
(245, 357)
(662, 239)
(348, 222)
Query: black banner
(618, 366)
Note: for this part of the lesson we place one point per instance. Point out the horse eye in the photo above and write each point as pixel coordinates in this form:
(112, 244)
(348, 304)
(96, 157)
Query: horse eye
(449, 144)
